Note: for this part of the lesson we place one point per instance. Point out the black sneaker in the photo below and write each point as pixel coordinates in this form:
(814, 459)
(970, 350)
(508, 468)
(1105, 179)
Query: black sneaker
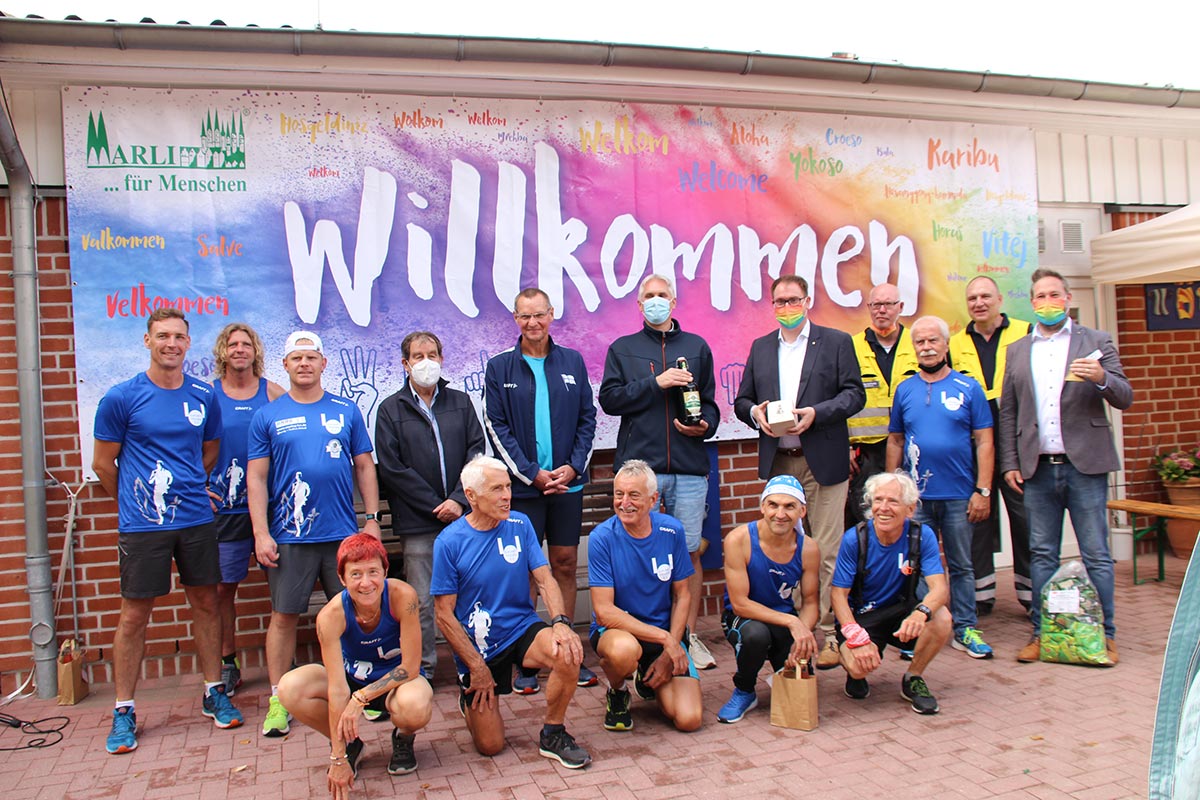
(857, 688)
(561, 745)
(403, 760)
(616, 713)
(915, 691)
(353, 751)
(643, 691)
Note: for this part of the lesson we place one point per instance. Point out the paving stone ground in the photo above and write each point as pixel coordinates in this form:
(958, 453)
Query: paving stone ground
(1006, 730)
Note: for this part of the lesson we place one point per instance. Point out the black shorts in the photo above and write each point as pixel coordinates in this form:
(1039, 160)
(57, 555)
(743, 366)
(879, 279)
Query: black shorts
(650, 652)
(881, 625)
(233, 527)
(503, 662)
(556, 518)
(298, 567)
(145, 560)
(378, 704)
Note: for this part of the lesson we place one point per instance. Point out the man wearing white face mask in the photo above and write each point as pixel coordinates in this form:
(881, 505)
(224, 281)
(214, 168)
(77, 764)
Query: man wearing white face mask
(642, 386)
(424, 435)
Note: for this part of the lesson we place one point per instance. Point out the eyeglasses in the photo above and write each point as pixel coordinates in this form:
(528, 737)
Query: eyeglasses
(788, 302)
(538, 317)
(880, 306)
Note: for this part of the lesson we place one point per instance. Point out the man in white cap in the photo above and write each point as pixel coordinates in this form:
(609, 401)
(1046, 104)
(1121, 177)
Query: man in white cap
(772, 592)
(307, 450)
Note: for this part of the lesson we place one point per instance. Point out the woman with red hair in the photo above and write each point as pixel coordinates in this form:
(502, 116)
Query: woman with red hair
(370, 637)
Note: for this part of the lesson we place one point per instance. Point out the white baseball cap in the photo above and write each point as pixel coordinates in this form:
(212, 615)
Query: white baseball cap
(296, 343)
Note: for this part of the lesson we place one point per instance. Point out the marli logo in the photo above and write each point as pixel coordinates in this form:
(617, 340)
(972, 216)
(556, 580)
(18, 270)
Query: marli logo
(221, 146)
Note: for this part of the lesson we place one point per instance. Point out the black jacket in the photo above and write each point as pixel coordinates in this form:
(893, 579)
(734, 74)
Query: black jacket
(410, 476)
(629, 391)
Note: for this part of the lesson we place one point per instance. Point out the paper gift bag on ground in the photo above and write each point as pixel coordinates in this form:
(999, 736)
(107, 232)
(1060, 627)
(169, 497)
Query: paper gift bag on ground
(794, 698)
(71, 686)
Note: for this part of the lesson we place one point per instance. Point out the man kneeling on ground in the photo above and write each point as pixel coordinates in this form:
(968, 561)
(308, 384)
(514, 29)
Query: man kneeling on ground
(370, 638)
(481, 568)
(878, 596)
(766, 562)
(638, 570)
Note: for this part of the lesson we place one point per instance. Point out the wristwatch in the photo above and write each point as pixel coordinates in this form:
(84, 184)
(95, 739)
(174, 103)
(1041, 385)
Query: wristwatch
(924, 609)
(563, 618)
(374, 517)
(986, 492)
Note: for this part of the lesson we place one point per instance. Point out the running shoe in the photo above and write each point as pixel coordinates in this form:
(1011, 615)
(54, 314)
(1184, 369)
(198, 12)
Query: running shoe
(586, 677)
(123, 737)
(639, 686)
(278, 721)
(219, 709)
(915, 690)
(972, 644)
(231, 676)
(403, 760)
(617, 716)
(699, 653)
(561, 746)
(373, 715)
(857, 688)
(526, 684)
(739, 703)
(353, 753)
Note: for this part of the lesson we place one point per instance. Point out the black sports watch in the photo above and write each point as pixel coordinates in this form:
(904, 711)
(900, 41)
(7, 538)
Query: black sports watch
(986, 492)
(924, 609)
(563, 618)
(372, 517)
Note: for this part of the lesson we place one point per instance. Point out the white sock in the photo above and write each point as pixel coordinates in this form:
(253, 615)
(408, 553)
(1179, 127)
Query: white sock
(125, 704)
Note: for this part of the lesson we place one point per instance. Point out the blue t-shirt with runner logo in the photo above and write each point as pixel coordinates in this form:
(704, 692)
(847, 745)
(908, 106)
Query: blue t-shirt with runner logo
(936, 420)
(639, 571)
(160, 470)
(885, 579)
(228, 478)
(489, 573)
(310, 483)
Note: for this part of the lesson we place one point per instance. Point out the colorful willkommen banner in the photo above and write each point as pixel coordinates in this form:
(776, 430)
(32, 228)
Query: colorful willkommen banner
(367, 217)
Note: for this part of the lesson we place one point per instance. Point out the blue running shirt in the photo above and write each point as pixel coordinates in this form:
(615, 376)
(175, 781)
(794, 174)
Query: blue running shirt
(160, 471)
(311, 479)
(228, 478)
(367, 657)
(884, 582)
(640, 571)
(772, 584)
(489, 571)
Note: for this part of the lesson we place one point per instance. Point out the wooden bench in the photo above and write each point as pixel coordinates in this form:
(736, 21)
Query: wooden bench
(1156, 515)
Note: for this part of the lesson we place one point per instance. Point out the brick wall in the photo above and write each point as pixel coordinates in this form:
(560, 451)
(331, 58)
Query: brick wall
(1164, 370)
(96, 598)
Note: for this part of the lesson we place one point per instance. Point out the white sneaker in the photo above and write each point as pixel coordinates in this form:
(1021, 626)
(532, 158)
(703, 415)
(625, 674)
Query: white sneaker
(699, 653)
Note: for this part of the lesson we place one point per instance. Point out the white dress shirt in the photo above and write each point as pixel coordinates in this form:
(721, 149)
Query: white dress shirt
(791, 366)
(1048, 364)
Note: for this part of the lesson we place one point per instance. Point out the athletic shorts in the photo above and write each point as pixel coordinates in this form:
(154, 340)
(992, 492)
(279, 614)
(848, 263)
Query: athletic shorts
(298, 568)
(145, 560)
(881, 625)
(556, 518)
(235, 559)
(233, 527)
(650, 653)
(501, 664)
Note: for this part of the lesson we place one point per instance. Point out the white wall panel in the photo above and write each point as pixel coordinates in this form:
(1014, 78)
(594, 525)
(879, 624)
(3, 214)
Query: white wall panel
(1075, 168)
(1100, 168)
(1150, 170)
(1125, 170)
(1175, 189)
(1049, 167)
(1193, 170)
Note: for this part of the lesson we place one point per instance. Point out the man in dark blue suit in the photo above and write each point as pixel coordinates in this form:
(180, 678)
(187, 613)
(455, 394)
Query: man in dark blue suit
(814, 371)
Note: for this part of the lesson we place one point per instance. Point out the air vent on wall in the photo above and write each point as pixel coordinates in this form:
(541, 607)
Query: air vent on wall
(1070, 233)
(1041, 235)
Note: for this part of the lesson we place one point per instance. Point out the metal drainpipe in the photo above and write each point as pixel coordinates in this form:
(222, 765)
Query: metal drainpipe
(29, 386)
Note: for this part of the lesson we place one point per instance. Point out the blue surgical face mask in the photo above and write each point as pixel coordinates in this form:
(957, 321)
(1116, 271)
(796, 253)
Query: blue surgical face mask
(656, 310)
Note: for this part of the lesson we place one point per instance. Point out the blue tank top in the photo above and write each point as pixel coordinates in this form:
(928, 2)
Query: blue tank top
(367, 657)
(771, 583)
(228, 478)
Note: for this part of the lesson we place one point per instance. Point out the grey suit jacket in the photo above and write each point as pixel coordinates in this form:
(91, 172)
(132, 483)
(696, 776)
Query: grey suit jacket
(1086, 429)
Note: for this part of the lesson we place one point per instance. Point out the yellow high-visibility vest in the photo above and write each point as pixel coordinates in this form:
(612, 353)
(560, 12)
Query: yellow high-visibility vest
(871, 424)
(965, 357)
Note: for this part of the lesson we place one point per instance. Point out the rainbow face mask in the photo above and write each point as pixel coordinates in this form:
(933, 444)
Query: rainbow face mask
(790, 318)
(1050, 312)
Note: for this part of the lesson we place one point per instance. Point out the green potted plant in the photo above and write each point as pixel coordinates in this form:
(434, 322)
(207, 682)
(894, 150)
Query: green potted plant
(1179, 471)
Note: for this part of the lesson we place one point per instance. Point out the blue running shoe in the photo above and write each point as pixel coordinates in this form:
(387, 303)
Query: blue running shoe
(586, 677)
(219, 709)
(972, 644)
(123, 738)
(526, 684)
(739, 703)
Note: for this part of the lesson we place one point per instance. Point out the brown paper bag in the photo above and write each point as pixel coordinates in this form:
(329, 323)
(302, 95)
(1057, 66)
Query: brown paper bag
(71, 686)
(794, 698)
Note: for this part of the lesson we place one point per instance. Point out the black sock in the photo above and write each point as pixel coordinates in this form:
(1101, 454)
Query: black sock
(528, 672)
(230, 659)
(549, 729)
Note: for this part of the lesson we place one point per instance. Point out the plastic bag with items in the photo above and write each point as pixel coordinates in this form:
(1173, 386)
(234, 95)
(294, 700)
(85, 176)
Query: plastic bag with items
(1072, 619)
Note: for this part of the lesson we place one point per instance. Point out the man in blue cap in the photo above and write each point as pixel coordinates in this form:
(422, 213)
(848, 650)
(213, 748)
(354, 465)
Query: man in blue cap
(772, 592)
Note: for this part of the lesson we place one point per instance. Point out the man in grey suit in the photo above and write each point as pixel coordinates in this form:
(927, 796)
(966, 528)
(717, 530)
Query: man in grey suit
(815, 371)
(1056, 444)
